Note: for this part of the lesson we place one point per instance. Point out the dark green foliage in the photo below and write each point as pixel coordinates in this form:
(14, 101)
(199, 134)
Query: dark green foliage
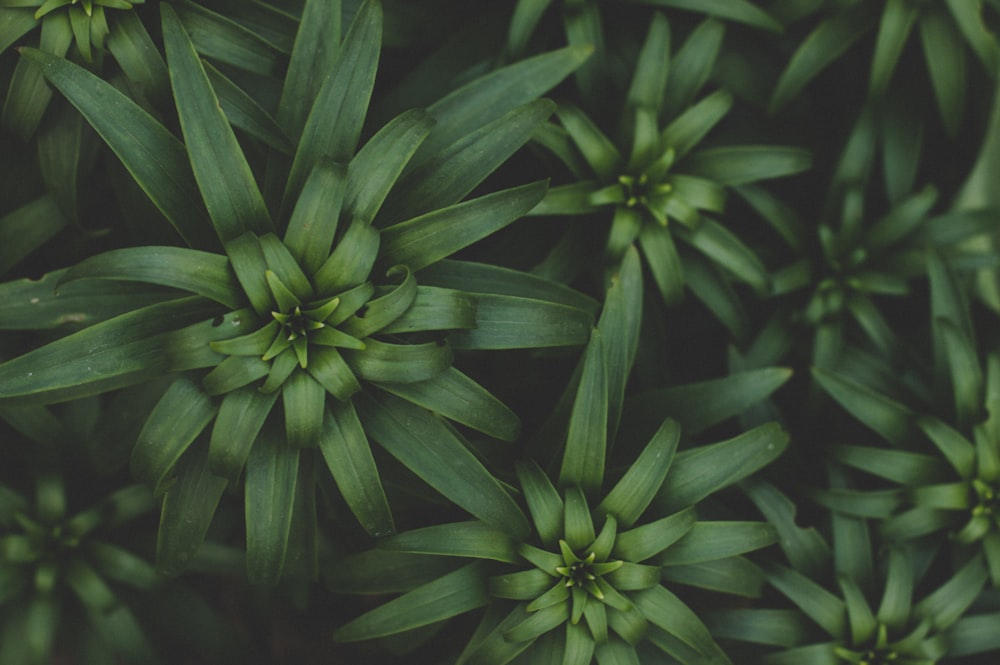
(529, 332)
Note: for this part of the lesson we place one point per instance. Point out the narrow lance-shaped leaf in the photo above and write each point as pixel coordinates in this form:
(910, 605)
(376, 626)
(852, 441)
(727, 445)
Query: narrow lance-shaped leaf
(373, 172)
(227, 185)
(457, 397)
(272, 474)
(544, 502)
(348, 455)
(240, 418)
(586, 440)
(202, 273)
(155, 158)
(486, 99)
(122, 351)
(336, 118)
(188, 508)
(450, 595)
(456, 170)
(465, 539)
(178, 418)
(700, 471)
(630, 497)
(425, 445)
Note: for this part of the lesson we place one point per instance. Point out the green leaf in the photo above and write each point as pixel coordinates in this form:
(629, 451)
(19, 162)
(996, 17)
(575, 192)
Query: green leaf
(510, 322)
(373, 172)
(314, 54)
(426, 446)
(776, 627)
(657, 245)
(729, 252)
(449, 175)
(646, 541)
(538, 623)
(135, 52)
(690, 127)
(436, 309)
(524, 584)
(894, 28)
(586, 441)
(179, 417)
(710, 541)
(649, 79)
(450, 595)
(744, 164)
(400, 363)
(272, 474)
(334, 124)
(201, 273)
(965, 372)
(692, 66)
(475, 277)
(697, 406)
(224, 40)
(15, 24)
(188, 508)
(619, 326)
(886, 416)
(734, 575)
(903, 467)
(240, 418)
(578, 527)
(465, 539)
(597, 149)
(486, 99)
(378, 571)
(424, 240)
(27, 228)
(350, 263)
(632, 494)
(244, 112)
(828, 611)
(128, 349)
(982, 40)
(666, 611)
(897, 599)
(698, 472)
(348, 455)
(544, 502)
(945, 605)
(945, 57)
(455, 396)
(313, 224)
(823, 46)
(304, 402)
(158, 161)
(740, 11)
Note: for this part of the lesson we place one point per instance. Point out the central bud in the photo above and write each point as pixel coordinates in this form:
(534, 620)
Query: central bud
(987, 499)
(584, 573)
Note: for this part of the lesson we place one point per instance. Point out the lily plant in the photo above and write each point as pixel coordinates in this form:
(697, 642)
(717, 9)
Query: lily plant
(650, 177)
(307, 290)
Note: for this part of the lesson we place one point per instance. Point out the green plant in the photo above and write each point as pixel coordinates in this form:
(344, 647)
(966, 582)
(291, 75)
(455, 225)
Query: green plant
(379, 331)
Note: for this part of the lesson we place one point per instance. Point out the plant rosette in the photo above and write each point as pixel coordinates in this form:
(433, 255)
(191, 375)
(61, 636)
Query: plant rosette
(570, 593)
(667, 189)
(943, 469)
(837, 613)
(49, 555)
(295, 305)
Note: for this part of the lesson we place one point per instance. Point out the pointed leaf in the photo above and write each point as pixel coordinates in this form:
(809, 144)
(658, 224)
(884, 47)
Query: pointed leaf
(178, 418)
(432, 451)
(450, 595)
(201, 273)
(586, 441)
(466, 539)
(698, 472)
(272, 474)
(710, 541)
(629, 498)
(241, 416)
(158, 161)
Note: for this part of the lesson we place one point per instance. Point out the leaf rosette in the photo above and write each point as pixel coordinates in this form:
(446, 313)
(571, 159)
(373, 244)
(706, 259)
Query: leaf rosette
(295, 304)
(661, 189)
